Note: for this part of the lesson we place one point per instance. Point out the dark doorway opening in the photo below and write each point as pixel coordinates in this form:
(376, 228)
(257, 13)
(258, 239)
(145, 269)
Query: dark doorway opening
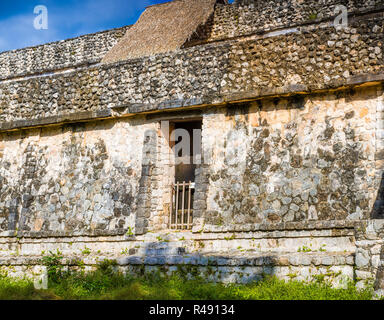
(186, 171)
(186, 161)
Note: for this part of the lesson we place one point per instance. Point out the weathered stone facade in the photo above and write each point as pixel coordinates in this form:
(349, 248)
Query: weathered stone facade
(291, 182)
(309, 158)
(68, 54)
(249, 17)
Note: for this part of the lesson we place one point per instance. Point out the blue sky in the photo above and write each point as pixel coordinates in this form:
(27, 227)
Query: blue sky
(66, 19)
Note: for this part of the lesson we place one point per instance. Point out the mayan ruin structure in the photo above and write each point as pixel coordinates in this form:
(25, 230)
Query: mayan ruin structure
(283, 106)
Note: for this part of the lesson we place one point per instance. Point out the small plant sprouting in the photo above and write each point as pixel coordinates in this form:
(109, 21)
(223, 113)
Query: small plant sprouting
(130, 232)
(292, 275)
(319, 278)
(313, 15)
(79, 263)
(53, 262)
(106, 266)
(160, 239)
(322, 248)
(86, 251)
(125, 251)
(233, 236)
(304, 249)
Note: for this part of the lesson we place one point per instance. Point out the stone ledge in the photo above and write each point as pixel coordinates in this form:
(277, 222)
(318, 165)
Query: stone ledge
(304, 89)
(198, 102)
(59, 234)
(252, 259)
(284, 226)
(59, 119)
(314, 259)
(338, 227)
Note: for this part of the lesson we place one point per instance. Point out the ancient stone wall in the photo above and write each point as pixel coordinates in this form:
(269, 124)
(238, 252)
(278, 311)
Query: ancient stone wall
(369, 248)
(292, 148)
(270, 161)
(297, 251)
(293, 159)
(315, 59)
(71, 53)
(235, 20)
(251, 17)
(73, 179)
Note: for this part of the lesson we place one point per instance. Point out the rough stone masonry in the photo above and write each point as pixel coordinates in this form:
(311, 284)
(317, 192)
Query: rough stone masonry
(291, 182)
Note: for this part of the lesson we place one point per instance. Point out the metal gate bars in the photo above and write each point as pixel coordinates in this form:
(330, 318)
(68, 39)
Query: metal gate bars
(182, 206)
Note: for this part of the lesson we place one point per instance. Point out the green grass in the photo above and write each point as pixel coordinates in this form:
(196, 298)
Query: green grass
(21, 289)
(106, 285)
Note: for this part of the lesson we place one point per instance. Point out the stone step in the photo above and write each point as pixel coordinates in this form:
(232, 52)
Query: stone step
(252, 259)
(210, 259)
(162, 249)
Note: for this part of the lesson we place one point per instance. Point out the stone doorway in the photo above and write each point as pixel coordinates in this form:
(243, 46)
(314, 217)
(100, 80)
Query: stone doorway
(186, 149)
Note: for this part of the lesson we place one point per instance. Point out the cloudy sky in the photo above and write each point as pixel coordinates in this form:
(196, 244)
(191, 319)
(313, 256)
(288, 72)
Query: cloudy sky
(66, 19)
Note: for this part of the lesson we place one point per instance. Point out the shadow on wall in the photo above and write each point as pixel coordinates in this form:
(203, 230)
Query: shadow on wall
(378, 207)
(172, 258)
(379, 281)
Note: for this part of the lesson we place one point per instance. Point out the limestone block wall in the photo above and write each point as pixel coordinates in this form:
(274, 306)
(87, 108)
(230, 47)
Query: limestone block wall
(147, 80)
(271, 161)
(292, 159)
(72, 179)
(71, 53)
(249, 17)
(301, 251)
(316, 58)
(154, 194)
(379, 281)
(369, 254)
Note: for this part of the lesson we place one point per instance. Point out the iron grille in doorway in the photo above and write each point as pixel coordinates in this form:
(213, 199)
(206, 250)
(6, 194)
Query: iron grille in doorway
(182, 206)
